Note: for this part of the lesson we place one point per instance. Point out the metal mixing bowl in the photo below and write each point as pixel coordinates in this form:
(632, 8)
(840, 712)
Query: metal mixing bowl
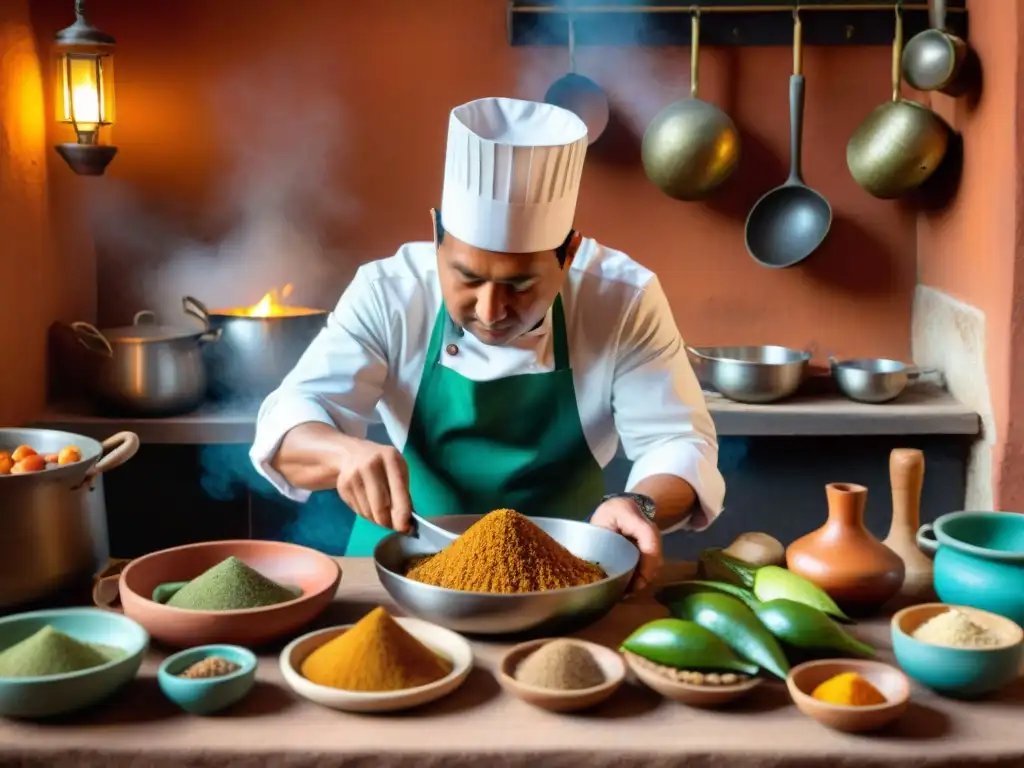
(871, 379)
(759, 374)
(552, 612)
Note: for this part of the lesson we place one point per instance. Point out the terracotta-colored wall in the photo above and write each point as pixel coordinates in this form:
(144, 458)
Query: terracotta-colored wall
(27, 283)
(973, 249)
(201, 104)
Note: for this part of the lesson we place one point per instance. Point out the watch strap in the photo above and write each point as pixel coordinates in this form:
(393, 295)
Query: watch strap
(645, 503)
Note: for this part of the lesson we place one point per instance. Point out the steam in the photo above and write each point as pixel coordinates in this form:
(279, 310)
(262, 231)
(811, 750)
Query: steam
(279, 146)
(636, 85)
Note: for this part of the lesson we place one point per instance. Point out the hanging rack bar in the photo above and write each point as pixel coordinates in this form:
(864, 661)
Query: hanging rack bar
(724, 22)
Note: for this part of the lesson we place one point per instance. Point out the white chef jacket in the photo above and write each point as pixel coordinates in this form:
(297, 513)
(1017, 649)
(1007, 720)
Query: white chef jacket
(632, 377)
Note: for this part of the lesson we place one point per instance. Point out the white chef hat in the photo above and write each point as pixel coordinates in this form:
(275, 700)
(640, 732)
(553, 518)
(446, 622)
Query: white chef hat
(512, 174)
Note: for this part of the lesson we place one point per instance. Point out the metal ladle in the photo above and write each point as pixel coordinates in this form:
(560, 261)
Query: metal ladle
(434, 535)
(580, 95)
(901, 143)
(789, 223)
(691, 147)
(934, 59)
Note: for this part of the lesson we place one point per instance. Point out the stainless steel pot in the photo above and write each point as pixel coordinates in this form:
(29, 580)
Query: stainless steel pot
(55, 521)
(146, 369)
(756, 374)
(874, 380)
(254, 354)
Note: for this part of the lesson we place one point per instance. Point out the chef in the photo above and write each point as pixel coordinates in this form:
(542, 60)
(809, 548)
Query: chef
(506, 359)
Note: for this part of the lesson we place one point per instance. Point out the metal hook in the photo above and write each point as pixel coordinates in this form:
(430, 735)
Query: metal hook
(80, 9)
(572, 43)
(695, 11)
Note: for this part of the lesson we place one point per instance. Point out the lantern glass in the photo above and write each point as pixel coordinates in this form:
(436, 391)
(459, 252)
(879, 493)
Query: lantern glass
(85, 91)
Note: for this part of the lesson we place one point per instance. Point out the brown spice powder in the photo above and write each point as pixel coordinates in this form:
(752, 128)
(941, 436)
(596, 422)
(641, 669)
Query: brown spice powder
(504, 552)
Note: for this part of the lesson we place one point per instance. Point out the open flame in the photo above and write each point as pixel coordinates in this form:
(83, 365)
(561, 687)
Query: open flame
(272, 305)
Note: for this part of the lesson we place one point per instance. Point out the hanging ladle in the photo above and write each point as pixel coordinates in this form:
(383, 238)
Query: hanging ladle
(934, 58)
(579, 94)
(789, 223)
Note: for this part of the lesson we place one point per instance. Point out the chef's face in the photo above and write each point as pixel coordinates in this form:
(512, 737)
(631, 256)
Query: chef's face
(499, 296)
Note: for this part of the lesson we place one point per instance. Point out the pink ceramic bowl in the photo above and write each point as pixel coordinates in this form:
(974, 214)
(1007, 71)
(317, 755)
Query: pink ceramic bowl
(316, 574)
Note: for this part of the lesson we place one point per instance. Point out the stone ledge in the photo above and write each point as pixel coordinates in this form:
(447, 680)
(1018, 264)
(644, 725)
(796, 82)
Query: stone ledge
(921, 410)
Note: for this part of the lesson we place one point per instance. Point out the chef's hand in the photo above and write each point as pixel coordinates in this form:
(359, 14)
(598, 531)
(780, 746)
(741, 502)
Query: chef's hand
(373, 480)
(624, 516)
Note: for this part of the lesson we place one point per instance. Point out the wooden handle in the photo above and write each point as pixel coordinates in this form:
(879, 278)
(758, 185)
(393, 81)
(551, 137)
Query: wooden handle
(906, 475)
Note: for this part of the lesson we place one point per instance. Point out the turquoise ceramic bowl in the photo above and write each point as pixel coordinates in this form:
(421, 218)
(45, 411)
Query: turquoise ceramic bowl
(957, 672)
(40, 697)
(979, 560)
(204, 696)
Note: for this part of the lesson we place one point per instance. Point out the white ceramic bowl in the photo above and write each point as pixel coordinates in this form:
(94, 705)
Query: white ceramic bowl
(455, 647)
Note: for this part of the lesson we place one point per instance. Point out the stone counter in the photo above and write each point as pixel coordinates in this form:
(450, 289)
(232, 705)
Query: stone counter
(480, 725)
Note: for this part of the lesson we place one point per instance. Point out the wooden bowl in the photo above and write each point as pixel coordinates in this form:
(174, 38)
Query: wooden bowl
(892, 683)
(443, 641)
(562, 701)
(316, 574)
(704, 696)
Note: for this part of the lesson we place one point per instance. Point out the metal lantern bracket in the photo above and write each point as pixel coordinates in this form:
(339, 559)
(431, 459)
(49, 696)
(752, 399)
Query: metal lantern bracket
(723, 22)
(85, 159)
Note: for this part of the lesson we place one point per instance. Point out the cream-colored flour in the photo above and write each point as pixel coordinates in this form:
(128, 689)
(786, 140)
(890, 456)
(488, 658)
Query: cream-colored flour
(956, 628)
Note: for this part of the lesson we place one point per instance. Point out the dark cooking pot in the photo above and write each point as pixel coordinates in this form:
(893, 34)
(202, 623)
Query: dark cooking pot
(55, 521)
(253, 353)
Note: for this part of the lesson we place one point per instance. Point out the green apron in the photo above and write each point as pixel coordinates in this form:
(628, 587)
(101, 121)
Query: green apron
(475, 446)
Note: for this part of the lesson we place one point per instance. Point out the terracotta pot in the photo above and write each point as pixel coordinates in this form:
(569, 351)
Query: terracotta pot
(906, 475)
(842, 557)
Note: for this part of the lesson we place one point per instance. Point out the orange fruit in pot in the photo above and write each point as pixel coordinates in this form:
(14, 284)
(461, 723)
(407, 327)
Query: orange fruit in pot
(50, 458)
(22, 451)
(69, 455)
(33, 463)
(5, 465)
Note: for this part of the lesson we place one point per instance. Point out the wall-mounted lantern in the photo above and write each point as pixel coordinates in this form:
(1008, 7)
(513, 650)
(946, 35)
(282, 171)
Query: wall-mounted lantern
(84, 79)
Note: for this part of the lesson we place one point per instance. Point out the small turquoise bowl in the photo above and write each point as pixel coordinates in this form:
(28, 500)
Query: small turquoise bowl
(204, 696)
(41, 697)
(957, 672)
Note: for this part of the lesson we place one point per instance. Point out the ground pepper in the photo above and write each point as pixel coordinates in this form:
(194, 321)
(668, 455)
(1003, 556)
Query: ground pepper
(504, 552)
(848, 689)
(375, 654)
(561, 665)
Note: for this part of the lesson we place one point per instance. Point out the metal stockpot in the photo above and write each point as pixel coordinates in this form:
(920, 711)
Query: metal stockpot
(254, 354)
(55, 521)
(146, 369)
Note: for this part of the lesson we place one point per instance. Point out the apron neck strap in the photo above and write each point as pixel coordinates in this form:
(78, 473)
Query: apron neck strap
(558, 334)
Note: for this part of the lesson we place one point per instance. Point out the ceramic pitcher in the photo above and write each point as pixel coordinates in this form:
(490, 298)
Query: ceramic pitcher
(843, 558)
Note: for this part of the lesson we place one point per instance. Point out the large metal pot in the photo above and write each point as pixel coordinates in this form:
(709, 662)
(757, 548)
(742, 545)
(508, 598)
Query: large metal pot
(146, 369)
(254, 353)
(55, 521)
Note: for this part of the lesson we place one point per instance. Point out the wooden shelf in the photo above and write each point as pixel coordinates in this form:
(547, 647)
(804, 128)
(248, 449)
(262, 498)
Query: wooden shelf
(723, 22)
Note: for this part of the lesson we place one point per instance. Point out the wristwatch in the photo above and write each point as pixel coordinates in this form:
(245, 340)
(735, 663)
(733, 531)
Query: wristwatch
(645, 503)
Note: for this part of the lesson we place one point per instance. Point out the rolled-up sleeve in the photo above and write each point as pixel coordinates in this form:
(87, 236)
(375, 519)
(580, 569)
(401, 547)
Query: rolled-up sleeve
(337, 381)
(659, 409)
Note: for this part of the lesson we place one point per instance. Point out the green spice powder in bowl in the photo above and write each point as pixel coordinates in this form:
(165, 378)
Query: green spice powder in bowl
(60, 661)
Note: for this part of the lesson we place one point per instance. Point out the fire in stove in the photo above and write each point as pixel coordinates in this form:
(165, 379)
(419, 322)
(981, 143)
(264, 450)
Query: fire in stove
(273, 304)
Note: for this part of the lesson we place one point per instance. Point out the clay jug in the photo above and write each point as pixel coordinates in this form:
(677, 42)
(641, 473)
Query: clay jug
(842, 557)
(906, 476)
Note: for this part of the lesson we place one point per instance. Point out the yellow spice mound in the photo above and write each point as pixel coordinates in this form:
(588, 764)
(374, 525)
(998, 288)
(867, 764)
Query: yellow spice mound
(376, 654)
(504, 552)
(848, 689)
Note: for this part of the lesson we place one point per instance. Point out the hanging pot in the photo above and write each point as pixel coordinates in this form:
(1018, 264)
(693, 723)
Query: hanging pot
(691, 147)
(580, 95)
(901, 143)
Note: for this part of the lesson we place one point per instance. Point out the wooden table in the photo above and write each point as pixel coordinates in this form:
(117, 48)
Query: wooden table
(481, 726)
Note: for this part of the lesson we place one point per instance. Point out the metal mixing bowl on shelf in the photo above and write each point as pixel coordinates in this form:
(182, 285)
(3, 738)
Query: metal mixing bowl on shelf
(551, 612)
(874, 380)
(752, 374)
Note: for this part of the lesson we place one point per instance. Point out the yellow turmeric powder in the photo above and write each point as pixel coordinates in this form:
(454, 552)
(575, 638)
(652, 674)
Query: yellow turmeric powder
(375, 654)
(848, 690)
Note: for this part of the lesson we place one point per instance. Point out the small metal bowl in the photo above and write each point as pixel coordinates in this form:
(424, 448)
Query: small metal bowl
(873, 380)
(553, 612)
(758, 374)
